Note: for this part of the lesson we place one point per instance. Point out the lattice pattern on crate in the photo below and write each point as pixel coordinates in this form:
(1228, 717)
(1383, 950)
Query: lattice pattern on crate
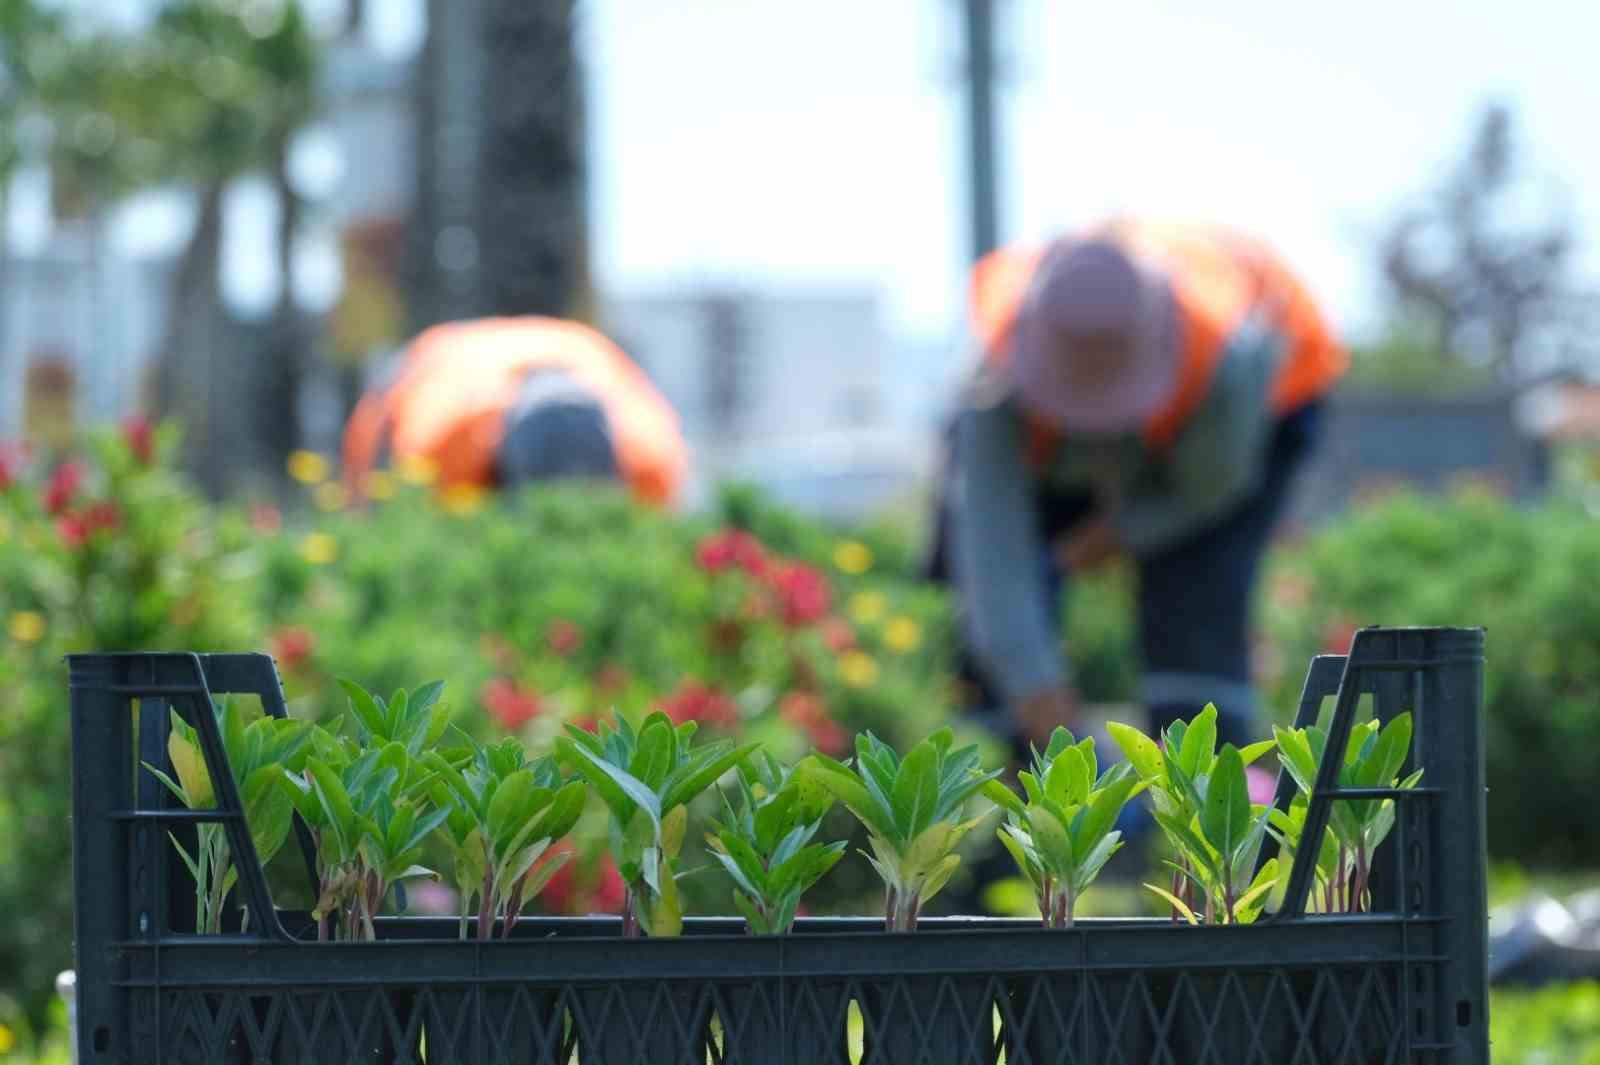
(1323, 1016)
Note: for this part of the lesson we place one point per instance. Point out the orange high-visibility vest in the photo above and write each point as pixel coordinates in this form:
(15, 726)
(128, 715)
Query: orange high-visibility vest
(1218, 278)
(457, 381)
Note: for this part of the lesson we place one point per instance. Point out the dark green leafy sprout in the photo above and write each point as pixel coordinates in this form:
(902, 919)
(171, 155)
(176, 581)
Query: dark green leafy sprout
(1356, 827)
(1202, 802)
(764, 842)
(502, 814)
(1062, 835)
(914, 812)
(646, 778)
(258, 754)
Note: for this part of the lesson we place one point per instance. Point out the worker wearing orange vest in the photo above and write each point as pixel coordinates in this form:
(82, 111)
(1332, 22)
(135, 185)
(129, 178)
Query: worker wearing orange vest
(1144, 389)
(498, 402)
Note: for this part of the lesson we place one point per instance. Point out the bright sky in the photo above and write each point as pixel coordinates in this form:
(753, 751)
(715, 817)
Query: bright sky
(820, 141)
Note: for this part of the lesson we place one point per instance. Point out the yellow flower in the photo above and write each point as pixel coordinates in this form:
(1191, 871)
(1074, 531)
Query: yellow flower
(903, 635)
(331, 496)
(319, 549)
(379, 485)
(308, 467)
(415, 469)
(867, 607)
(852, 557)
(859, 670)
(463, 497)
(8, 1040)
(27, 626)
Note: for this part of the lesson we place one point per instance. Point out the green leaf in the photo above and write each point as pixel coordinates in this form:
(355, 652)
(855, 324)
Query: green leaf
(512, 805)
(652, 760)
(1067, 781)
(539, 878)
(365, 708)
(1178, 905)
(938, 878)
(557, 819)
(1050, 840)
(338, 815)
(1294, 754)
(1090, 826)
(705, 771)
(846, 787)
(997, 792)
(1140, 750)
(614, 784)
(1225, 817)
(774, 819)
(1251, 753)
(804, 868)
(1200, 854)
(1199, 741)
(755, 923)
(916, 790)
(1089, 867)
(673, 826)
(754, 874)
(1020, 845)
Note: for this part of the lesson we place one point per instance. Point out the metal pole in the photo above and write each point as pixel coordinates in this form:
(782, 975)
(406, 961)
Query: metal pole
(982, 134)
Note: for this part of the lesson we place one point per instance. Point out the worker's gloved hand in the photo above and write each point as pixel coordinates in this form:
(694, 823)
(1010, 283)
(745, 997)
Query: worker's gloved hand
(1039, 713)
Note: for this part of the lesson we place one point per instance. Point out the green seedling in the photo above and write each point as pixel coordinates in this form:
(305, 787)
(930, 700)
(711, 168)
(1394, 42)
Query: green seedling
(1201, 800)
(502, 815)
(1062, 835)
(764, 842)
(258, 753)
(914, 812)
(1356, 827)
(646, 778)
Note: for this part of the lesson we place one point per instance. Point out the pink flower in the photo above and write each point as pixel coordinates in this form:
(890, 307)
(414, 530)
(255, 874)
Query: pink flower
(292, 645)
(509, 704)
(63, 486)
(564, 637)
(803, 592)
(140, 438)
(266, 519)
(838, 634)
(694, 701)
(1260, 784)
(73, 530)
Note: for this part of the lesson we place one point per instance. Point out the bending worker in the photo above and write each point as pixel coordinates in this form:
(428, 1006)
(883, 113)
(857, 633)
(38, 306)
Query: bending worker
(500, 402)
(1146, 390)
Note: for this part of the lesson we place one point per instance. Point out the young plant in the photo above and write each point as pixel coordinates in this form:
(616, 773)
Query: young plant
(370, 817)
(646, 778)
(1062, 836)
(258, 753)
(502, 815)
(764, 842)
(1356, 827)
(913, 809)
(1201, 800)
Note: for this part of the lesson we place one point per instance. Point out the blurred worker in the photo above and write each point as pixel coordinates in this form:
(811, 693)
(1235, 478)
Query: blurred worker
(500, 402)
(1144, 390)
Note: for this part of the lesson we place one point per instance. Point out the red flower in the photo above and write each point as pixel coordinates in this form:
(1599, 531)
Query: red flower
(103, 515)
(266, 519)
(564, 637)
(1337, 634)
(63, 486)
(292, 645)
(732, 547)
(73, 530)
(509, 704)
(694, 701)
(140, 438)
(562, 893)
(808, 713)
(11, 463)
(803, 591)
(838, 635)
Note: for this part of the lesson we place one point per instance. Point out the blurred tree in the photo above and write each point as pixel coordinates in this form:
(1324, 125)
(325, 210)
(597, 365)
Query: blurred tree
(1481, 264)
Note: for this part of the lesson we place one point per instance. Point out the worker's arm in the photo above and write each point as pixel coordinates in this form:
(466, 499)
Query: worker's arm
(1216, 462)
(996, 549)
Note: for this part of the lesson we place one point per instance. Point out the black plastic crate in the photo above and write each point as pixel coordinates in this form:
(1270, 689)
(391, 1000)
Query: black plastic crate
(1404, 984)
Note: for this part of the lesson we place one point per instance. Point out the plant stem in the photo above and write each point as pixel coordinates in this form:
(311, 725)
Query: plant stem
(486, 906)
(630, 913)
